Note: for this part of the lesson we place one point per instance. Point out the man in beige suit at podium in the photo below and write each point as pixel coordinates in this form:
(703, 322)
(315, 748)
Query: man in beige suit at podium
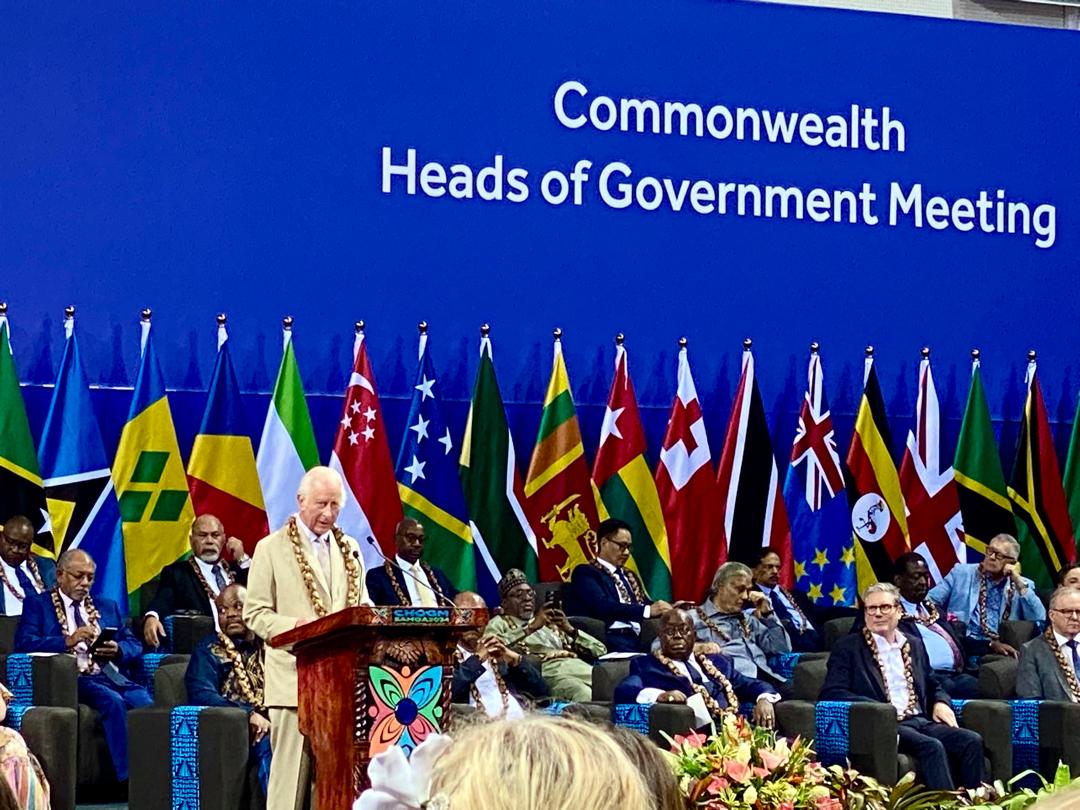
(305, 570)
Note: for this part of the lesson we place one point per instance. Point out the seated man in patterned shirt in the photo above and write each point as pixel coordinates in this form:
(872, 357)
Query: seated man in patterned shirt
(226, 669)
(563, 651)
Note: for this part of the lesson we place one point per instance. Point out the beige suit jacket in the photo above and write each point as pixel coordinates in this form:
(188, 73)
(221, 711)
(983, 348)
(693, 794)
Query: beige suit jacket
(277, 598)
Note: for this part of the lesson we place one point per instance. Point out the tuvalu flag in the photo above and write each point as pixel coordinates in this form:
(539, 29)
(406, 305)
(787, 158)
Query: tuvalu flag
(561, 503)
(21, 488)
(877, 505)
(490, 477)
(149, 477)
(362, 455)
(78, 484)
(1046, 531)
(221, 472)
(625, 487)
(752, 510)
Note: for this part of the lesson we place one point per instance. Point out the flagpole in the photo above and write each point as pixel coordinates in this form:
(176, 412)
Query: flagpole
(358, 338)
(868, 363)
(286, 331)
(1030, 375)
(485, 339)
(3, 321)
(975, 362)
(144, 326)
(69, 320)
(422, 346)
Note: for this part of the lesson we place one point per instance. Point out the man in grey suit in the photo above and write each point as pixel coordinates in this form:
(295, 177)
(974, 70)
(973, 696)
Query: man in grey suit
(1049, 663)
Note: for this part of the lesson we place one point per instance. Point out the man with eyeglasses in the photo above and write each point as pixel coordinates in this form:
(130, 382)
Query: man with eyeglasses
(609, 591)
(981, 595)
(1049, 663)
(882, 664)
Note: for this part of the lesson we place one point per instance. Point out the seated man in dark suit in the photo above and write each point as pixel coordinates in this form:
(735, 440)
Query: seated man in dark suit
(606, 590)
(422, 585)
(193, 584)
(226, 670)
(1049, 663)
(67, 620)
(21, 572)
(489, 675)
(710, 684)
(793, 608)
(882, 664)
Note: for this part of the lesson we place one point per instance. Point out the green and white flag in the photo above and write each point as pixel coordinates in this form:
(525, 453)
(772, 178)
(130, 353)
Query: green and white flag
(287, 449)
(490, 476)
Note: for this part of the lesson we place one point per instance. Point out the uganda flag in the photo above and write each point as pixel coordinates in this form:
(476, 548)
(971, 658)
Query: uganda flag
(980, 482)
(221, 473)
(21, 489)
(560, 496)
(625, 485)
(149, 477)
(873, 486)
(1046, 532)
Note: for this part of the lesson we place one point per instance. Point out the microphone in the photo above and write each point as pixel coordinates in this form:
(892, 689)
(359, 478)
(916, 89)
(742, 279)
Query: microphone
(409, 574)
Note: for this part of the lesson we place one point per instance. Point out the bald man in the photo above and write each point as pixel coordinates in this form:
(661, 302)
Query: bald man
(192, 585)
(21, 573)
(305, 570)
(66, 619)
(412, 581)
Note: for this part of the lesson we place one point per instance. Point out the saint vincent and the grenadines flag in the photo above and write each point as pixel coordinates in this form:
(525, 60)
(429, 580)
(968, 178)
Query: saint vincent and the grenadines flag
(150, 480)
(1035, 489)
(625, 484)
(221, 472)
(561, 503)
(78, 484)
(21, 489)
(874, 496)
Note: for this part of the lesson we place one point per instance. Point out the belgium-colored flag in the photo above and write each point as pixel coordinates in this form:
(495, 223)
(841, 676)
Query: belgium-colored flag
(1046, 534)
(873, 486)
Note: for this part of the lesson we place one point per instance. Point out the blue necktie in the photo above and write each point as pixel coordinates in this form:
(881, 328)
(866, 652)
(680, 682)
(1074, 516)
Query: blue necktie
(79, 620)
(219, 578)
(27, 584)
(781, 609)
(1075, 658)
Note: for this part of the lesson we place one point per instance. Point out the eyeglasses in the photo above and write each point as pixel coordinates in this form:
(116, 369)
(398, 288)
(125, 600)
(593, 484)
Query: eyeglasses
(1072, 614)
(994, 554)
(621, 546)
(879, 608)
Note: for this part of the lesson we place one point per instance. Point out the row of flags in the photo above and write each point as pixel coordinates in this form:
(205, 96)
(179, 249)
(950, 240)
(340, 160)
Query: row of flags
(835, 523)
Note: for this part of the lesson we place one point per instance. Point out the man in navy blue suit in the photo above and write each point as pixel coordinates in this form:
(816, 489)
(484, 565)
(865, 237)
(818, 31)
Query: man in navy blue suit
(21, 572)
(424, 586)
(676, 674)
(880, 663)
(606, 590)
(67, 620)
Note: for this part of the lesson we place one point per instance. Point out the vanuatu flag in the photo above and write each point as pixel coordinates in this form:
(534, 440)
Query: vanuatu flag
(877, 505)
(149, 477)
(626, 486)
(221, 472)
(1046, 532)
(560, 495)
(21, 489)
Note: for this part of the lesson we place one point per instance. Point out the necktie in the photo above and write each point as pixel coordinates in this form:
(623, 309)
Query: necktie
(625, 595)
(25, 582)
(694, 676)
(1075, 658)
(782, 613)
(322, 551)
(79, 620)
(427, 596)
(219, 577)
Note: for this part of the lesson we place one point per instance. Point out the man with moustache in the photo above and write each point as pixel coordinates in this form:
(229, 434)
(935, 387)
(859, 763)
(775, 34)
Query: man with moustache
(1049, 663)
(421, 585)
(792, 608)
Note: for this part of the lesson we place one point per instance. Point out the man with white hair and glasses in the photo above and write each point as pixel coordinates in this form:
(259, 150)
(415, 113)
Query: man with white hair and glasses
(1049, 663)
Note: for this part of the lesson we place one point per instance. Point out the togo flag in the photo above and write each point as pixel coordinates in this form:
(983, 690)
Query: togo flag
(149, 478)
(78, 483)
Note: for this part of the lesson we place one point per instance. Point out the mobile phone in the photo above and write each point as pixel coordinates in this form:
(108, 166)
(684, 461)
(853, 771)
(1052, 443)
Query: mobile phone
(106, 635)
(552, 599)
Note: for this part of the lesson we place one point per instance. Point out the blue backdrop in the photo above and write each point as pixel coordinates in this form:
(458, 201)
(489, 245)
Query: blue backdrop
(217, 157)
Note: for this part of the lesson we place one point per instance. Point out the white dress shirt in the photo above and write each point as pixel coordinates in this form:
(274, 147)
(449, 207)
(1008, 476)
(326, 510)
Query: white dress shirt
(635, 626)
(82, 649)
(1066, 652)
(892, 660)
(490, 695)
(14, 606)
(320, 546)
(413, 586)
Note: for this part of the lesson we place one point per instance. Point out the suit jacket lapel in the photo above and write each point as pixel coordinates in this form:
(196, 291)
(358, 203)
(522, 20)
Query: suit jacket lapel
(337, 577)
(875, 672)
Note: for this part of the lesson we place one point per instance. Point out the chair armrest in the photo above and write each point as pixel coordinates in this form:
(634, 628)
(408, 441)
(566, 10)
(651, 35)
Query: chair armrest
(52, 733)
(795, 718)
(1059, 733)
(56, 680)
(670, 719)
(187, 631)
(594, 627)
(992, 719)
(873, 742)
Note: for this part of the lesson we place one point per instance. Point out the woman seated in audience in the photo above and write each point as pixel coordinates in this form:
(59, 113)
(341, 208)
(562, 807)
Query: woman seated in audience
(24, 786)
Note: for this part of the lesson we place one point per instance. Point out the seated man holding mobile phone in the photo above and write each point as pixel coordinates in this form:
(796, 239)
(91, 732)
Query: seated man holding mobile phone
(66, 619)
(564, 651)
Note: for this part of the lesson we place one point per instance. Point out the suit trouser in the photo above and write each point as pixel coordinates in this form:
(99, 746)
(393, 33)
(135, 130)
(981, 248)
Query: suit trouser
(932, 744)
(290, 782)
(112, 700)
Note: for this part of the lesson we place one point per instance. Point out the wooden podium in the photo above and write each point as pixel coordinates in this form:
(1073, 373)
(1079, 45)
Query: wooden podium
(371, 678)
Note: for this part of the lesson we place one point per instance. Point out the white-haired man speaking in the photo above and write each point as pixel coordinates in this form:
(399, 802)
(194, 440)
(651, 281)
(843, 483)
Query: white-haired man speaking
(305, 570)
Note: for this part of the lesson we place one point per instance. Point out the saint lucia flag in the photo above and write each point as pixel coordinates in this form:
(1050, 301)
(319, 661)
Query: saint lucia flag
(78, 484)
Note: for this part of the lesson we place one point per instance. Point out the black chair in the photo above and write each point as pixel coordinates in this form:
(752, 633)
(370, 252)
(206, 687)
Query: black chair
(225, 780)
(587, 624)
(836, 629)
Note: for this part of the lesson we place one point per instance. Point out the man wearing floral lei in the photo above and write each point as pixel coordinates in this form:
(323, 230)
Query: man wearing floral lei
(67, 619)
(709, 684)
(226, 669)
(981, 594)
(1049, 663)
(882, 664)
(305, 570)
